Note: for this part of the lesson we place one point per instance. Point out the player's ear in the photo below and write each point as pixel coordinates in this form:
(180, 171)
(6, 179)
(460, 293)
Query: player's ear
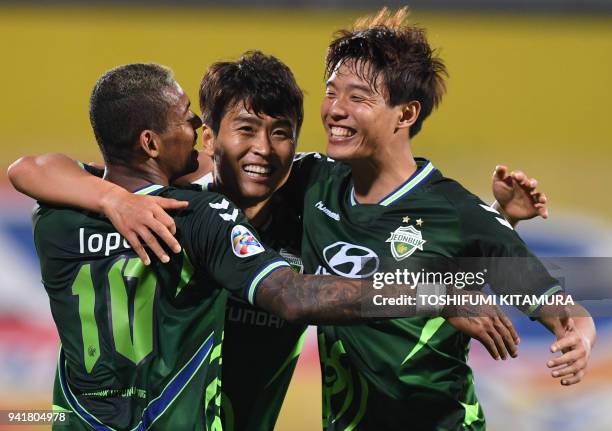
(148, 141)
(409, 113)
(208, 141)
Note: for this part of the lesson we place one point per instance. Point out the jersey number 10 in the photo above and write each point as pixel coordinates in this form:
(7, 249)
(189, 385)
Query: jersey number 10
(133, 341)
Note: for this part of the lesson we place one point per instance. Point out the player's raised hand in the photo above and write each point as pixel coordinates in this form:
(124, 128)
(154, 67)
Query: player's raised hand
(575, 347)
(487, 324)
(138, 217)
(517, 195)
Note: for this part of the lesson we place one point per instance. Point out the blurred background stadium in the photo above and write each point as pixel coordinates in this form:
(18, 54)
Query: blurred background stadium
(530, 86)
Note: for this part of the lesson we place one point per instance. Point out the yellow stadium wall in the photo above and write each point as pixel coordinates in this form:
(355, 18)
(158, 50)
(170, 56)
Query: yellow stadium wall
(531, 91)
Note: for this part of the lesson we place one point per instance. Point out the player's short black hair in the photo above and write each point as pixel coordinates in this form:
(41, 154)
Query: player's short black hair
(261, 82)
(384, 45)
(125, 101)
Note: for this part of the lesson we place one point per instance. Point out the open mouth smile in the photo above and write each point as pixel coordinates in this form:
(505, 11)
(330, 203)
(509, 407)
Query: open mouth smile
(258, 171)
(341, 132)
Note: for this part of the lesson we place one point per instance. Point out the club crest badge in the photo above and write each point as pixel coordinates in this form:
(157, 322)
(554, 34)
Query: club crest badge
(405, 240)
(244, 243)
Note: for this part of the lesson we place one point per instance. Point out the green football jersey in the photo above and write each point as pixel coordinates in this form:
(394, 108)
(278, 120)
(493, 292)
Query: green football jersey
(406, 373)
(141, 346)
(252, 395)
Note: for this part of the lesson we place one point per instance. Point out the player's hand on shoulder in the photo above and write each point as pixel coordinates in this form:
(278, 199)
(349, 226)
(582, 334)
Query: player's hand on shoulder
(141, 218)
(517, 195)
(487, 324)
(575, 347)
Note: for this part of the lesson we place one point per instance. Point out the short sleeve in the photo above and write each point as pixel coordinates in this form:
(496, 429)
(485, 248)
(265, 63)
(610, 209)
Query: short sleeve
(512, 269)
(219, 239)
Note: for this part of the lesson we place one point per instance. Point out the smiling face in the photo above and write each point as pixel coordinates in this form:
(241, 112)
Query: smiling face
(357, 118)
(252, 154)
(177, 155)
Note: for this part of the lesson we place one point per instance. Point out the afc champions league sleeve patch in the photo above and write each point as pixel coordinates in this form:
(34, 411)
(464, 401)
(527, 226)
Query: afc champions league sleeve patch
(244, 243)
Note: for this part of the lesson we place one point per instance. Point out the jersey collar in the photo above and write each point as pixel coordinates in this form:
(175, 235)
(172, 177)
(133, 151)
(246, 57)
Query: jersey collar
(424, 170)
(148, 190)
(204, 181)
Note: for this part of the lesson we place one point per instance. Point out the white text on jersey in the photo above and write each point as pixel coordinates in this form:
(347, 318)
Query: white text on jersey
(319, 205)
(97, 241)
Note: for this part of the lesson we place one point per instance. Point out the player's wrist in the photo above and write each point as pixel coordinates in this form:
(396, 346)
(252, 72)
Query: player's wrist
(497, 206)
(109, 197)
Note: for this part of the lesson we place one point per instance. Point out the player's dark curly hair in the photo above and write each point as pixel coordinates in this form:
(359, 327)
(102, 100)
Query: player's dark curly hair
(125, 101)
(263, 83)
(384, 45)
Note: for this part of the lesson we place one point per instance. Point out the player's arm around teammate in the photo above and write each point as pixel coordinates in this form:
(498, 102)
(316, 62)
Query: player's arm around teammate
(326, 299)
(516, 270)
(518, 199)
(311, 299)
(516, 195)
(51, 178)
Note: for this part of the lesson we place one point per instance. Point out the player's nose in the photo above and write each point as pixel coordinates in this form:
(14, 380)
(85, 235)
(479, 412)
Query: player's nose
(337, 109)
(262, 146)
(197, 121)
